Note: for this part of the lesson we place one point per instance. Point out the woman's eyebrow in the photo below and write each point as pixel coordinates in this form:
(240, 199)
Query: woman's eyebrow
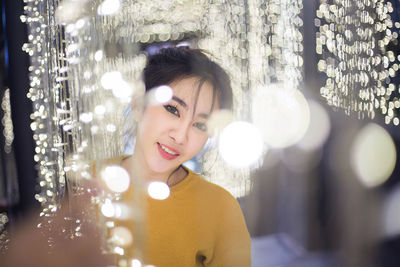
(180, 101)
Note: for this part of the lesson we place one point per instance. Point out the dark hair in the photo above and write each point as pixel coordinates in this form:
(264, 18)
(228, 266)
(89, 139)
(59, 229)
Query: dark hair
(175, 63)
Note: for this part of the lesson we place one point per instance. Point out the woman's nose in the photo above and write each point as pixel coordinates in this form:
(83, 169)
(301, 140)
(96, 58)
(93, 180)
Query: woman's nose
(179, 133)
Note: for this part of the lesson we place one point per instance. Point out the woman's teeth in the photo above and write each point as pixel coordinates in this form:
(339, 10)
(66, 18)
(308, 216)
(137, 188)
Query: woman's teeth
(168, 151)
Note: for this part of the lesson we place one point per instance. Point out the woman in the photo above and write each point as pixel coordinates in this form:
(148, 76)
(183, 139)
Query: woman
(200, 224)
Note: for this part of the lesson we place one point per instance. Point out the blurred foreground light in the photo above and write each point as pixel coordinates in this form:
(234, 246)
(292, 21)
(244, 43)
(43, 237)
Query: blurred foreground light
(113, 81)
(159, 95)
(163, 94)
(86, 117)
(391, 215)
(158, 190)
(116, 178)
(373, 155)
(100, 110)
(281, 113)
(121, 236)
(68, 11)
(218, 121)
(108, 7)
(122, 90)
(108, 79)
(117, 210)
(98, 55)
(318, 130)
(136, 263)
(107, 209)
(240, 144)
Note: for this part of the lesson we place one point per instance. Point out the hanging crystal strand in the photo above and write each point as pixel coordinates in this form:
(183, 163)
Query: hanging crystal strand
(105, 73)
(43, 91)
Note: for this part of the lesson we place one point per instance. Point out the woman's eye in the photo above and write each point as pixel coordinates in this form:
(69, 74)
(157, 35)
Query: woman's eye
(172, 109)
(201, 126)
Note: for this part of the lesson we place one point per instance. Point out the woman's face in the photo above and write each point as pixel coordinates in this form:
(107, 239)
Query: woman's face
(174, 132)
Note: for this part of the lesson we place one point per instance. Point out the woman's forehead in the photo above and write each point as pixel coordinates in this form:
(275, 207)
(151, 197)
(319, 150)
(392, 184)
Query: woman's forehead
(195, 93)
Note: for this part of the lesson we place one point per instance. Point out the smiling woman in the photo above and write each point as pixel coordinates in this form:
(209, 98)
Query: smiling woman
(200, 224)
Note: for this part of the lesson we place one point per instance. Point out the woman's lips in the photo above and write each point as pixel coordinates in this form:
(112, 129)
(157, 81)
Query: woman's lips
(167, 152)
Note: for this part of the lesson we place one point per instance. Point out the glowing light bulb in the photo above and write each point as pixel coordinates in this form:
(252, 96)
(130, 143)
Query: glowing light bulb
(240, 144)
(158, 190)
(281, 113)
(373, 155)
(116, 178)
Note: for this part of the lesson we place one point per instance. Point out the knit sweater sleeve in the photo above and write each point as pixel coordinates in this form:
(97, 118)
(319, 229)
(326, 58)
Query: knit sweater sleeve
(233, 246)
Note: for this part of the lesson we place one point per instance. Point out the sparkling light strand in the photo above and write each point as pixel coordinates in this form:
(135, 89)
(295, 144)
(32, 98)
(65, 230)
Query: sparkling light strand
(354, 39)
(248, 39)
(43, 92)
(8, 131)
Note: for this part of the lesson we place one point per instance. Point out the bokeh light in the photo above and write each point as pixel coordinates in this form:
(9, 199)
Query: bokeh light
(122, 90)
(218, 121)
(108, 79)
(281, 113)
(121, 236)
(107, 209)
(108, 7)
(69, 11)
(100, 109)
(163, 94)
(158, 190)
(240, 144)
(373, 155)
(116, 178)
(136, 263)
(319, 128)
(114, 81)
(86, 117)
(98, 55)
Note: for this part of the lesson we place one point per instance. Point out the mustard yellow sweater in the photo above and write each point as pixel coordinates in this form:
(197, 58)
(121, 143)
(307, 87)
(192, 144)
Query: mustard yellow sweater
(200, 224)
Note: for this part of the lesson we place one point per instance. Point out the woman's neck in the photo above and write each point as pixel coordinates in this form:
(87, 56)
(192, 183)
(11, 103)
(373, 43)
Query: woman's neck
(136, 169)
